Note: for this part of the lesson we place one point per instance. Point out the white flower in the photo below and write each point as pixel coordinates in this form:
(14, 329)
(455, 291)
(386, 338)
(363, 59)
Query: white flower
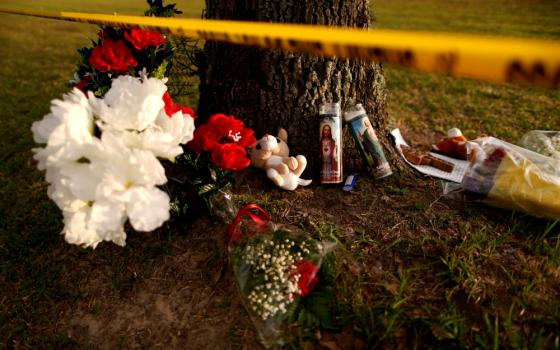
(147, 208)
(81, 179)
(107, 215)
(77, 231)
(66, 130)
(43, 129)
(133, 110)
(80, 229)
(125, 167)
(163, 138)
(127, 188)
(99, 183)
(179, 125)
(152, 139)
(131, 103)
(72, 109)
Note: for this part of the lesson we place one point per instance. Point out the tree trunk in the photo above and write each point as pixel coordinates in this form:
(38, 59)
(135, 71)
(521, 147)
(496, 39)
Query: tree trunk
(270, 89)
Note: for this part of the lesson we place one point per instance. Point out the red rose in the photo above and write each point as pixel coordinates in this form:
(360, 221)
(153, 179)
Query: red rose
(171, 108)
(141, 39)
(307, 276)
(205, 139)
(230, 156)
(112, 56)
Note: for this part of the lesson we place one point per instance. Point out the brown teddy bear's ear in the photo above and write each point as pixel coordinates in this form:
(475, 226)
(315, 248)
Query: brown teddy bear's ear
(283, 134)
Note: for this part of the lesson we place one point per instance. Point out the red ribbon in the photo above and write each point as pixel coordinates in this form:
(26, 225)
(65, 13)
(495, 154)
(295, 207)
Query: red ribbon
(260, 219)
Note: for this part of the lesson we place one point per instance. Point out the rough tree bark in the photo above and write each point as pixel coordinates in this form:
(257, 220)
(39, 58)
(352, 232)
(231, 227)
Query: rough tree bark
(270, 89)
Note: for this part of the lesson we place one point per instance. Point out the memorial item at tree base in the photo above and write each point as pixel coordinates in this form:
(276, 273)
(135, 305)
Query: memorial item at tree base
(511, 177)
(281, 275)
(101, 158)
(459, 166)
(422, 158)
(273, 155)
(454, 145)
(108, 140)
(120, 51)
(205, 172)
(330, 131)
(544, 142)
(367, 142)
(350, 183)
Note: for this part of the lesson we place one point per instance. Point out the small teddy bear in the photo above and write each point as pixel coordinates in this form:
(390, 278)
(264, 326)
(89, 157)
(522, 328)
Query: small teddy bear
(272, 154)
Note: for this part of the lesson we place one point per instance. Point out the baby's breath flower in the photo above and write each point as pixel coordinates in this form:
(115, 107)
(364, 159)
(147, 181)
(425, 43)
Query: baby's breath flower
(276, 262)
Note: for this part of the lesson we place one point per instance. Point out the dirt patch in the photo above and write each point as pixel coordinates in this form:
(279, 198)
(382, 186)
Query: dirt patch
(187, 297)
(186, 301)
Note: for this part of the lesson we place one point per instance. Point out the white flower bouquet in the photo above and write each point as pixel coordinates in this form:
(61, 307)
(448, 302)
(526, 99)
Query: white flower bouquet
(101, 158)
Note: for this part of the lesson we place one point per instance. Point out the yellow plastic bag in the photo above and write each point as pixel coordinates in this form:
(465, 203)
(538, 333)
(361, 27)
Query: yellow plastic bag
(512, 177)
(525, 187)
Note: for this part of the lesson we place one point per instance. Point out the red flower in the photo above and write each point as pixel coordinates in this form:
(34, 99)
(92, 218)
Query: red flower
(247, 138)
(171, 108)
(230, 156)
(226, 138)
(307, 276)
(141, 39)
(233, 130)
(226, 125)
(112, 56)
(205, 139)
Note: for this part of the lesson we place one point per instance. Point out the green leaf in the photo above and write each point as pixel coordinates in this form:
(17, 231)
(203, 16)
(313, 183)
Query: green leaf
(316, 308)
(160, 71)
(197, 181)
(205, 189)
(213, 175)
(243, 276)
(102, 91)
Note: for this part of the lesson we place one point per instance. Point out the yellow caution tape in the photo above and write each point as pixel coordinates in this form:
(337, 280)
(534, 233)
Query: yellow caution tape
(530, 61)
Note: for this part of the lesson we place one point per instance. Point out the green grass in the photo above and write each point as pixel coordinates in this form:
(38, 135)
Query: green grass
(415, 270)
(38, 58)
(423, 102)
(522, 18)
(190, 8)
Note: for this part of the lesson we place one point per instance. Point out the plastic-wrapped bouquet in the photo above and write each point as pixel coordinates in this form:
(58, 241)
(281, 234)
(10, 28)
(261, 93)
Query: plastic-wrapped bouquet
(511, 177)
(278, 269)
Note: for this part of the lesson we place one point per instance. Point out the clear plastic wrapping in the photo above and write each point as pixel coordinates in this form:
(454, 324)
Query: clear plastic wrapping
(510, 177)
(276, 269)
(544, 142)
